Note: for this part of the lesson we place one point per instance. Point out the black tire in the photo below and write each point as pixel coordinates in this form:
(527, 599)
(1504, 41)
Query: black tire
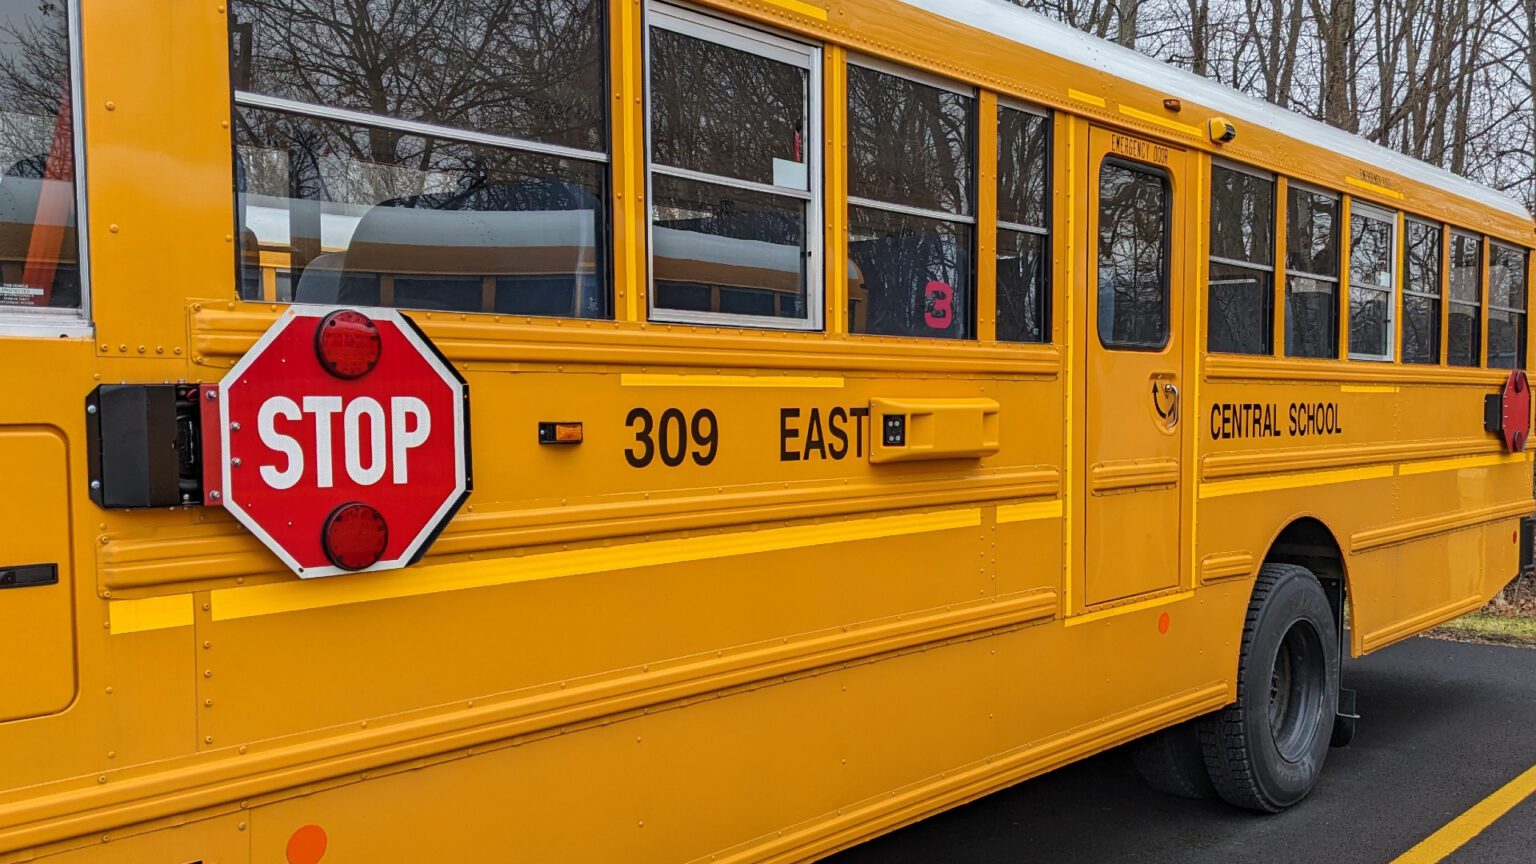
(1173, 762)
(1266, 750)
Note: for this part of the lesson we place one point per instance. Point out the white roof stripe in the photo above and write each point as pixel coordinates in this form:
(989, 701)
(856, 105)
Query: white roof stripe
(1052, 37)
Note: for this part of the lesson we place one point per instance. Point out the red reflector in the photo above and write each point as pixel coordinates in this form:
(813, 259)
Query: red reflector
(348, 344)
(354, 536)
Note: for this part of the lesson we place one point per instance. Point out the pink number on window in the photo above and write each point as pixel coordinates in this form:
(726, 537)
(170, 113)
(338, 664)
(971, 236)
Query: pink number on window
(938, 306)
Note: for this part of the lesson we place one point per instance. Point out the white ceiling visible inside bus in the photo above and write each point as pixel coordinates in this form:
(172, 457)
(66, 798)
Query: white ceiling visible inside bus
(1037, 31)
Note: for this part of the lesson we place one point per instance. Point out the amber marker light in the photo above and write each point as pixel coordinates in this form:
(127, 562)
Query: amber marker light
(560, 433)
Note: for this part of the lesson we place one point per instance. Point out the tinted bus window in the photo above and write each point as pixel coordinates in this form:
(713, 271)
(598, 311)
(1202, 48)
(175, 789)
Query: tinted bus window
(39, 249)
(1421, 294)
(1465, 334)
(910, 214)
(1023, 235)
(1133, 256)
(528, 69)
(1506, 306)
(429, 155)
(1312, 274)
(1372, 282)
(733, 189)
(1242, 298)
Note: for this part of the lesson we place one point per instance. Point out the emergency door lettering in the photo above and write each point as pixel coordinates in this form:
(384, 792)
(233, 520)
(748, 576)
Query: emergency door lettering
(1230, 420)
(814, 434)
(673, 437)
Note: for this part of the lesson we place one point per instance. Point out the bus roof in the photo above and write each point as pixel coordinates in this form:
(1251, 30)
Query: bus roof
(1053, 37)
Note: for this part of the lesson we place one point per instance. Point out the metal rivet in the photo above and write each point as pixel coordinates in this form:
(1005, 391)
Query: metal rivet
(215, 495)
(90, 409)
(235, 462)
(234, 427)
(111, 106)
(213, 395)
(96, 485)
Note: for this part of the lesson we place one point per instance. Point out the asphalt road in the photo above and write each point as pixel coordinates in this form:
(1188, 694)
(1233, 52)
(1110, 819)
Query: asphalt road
(1444, 725)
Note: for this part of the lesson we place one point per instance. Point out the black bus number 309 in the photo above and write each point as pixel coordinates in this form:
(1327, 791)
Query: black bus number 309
(674, 437)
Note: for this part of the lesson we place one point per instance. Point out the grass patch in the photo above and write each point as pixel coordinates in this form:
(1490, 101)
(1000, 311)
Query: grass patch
(1485, 627)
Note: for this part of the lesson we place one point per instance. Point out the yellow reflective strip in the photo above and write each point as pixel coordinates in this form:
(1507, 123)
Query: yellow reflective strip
(806, 9)
(1430, 466)
(1086, 97)
(151, 613)
(1007, 513)
(1367, 388)
(1160, 121)
(647, 380)
(1458, 831)
(1292, 481)
(1372, 187)
(1129, 608)
(290, 596)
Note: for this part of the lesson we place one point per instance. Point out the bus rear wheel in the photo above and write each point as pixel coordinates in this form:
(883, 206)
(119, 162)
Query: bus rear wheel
(1265, 751)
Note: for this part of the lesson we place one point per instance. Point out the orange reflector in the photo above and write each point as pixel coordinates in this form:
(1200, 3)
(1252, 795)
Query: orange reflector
(1162, 623)
(560, 433)
(307, 845)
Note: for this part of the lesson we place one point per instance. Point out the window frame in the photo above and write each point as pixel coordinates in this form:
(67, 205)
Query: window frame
(602, 160)
(1272, 268)
(1337, 278)
(53, 321)
(1047, 328)
(1479, 325)
(1165, 177)
(1392, 219)
(1525, 254)
(804, 54)
(1440, 299)
(849, 201)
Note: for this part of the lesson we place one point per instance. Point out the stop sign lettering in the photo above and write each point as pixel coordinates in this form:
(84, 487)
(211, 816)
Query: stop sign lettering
(343, 443)
(368, 444)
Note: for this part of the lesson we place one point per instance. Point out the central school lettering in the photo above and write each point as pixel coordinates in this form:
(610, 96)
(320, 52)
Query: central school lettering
(1231, 420)
(818, 438)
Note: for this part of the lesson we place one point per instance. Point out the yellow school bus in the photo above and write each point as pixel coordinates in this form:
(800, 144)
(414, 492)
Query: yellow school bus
(960, 396)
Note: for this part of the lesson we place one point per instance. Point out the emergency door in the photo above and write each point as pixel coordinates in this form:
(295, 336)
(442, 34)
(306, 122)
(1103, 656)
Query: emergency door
(1133, 367)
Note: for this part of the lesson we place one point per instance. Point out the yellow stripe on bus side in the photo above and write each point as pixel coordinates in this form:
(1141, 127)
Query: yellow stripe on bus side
(650, 380)
(1292, 481)
(806, 9)
(1372, 187)
(1008, 513)
(151, 613)
(1160, 121)
(252, 600)
(1086, 97)
(1114, 611)
(1431, 466)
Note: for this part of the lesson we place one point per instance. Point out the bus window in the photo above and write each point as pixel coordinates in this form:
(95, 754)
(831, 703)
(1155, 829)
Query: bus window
(1421, 293)
(1312, 274)
(1372, 279)
(39, 250)
(1506, 307)
(734, 192)
(1466, 299)
(1133, 256)
(1023, 235)
(911, 212)
(401, 182)
(1242, 298)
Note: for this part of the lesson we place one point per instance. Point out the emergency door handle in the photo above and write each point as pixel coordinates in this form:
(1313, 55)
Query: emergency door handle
(1170, 391)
